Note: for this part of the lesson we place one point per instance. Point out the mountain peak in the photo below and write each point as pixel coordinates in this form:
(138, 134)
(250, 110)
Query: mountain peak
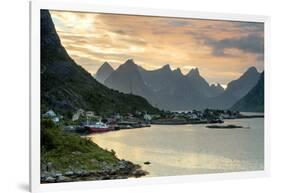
(105, 66)
(104, 72)
(250, 72)
(129, 65)
(130, 62)
(178, 71)
(252, 69)
(166, 67)
(194, 72)
(241, 86)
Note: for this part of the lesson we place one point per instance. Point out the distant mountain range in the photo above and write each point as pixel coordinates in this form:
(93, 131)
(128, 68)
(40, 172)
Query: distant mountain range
(254, 100)
(66, 86)
(171, 90)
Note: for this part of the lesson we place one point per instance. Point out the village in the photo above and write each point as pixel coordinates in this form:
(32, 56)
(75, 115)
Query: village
(90, 122)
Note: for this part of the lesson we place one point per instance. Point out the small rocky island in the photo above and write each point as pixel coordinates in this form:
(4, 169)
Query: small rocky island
(224, 127)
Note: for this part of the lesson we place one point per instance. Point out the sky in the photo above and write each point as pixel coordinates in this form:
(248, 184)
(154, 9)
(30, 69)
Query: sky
(221, 50)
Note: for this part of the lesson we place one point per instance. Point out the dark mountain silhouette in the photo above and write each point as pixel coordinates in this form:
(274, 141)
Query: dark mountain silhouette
(164, 87)
(104, 72)
(242, 86)
(170, 89)
(216, 89)
(254, 100)
(162, 83)
(127, 79)
(200, 84)
(160, 79)
(236, 89)
(66, 86)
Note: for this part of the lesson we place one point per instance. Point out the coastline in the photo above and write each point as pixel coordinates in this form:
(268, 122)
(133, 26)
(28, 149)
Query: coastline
(68, 157)
(122, 170)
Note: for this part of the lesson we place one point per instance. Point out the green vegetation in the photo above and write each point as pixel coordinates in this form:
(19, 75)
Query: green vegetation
(71, 152)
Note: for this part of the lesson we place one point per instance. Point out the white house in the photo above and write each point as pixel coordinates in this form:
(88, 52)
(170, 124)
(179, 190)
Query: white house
(50, 113)
(77, 115)
(147, 117)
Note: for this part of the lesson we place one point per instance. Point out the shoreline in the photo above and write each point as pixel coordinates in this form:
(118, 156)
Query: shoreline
(184, 122)
(69, 157)
(176, 123)
(122, 170)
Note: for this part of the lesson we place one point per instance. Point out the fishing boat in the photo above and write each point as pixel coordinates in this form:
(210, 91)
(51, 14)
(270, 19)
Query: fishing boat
(98, 127)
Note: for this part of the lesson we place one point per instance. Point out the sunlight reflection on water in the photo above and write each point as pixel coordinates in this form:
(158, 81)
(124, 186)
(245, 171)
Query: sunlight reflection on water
(190, 149)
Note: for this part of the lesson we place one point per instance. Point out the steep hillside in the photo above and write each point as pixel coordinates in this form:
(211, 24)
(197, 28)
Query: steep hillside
(254, 100)
(236, 89)
(66, 86)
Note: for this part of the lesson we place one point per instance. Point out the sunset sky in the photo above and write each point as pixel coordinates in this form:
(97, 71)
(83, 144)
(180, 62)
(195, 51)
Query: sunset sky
(222, 50)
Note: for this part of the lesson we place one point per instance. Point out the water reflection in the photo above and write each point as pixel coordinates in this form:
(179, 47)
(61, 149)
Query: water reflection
(190, 149)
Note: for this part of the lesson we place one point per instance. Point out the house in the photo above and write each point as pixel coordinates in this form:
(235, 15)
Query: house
(90, 114)
(147, 117)
(118, 116)
(80, 111)
(77, 115)
(55, 119)
(52, 115)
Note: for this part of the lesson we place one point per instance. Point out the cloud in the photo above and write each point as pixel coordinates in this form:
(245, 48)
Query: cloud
(251, 27)
(178, 22)
(250, 44)
(220, 49)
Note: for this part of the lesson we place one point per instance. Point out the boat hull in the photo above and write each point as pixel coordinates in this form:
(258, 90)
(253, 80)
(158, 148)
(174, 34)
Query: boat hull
(98, 130)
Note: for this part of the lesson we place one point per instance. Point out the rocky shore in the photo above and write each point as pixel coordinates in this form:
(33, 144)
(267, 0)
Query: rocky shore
(121, 170)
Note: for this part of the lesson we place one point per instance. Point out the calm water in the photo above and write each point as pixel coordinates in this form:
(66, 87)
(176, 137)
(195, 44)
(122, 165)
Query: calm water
(190, 149)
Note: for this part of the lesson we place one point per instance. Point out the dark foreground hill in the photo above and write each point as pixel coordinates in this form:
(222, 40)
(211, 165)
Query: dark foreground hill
(66, 86)
(254, 100)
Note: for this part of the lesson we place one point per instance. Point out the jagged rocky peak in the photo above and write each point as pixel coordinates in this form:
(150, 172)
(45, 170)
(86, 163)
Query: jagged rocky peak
(178, 71)
(194, 72)
(130, 62)
(167, 67)
(106, 65)
(129, 65)
(252, 69)
(104, 72)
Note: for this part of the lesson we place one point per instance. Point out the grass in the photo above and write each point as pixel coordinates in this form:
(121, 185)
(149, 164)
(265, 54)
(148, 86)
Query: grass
(68, 151)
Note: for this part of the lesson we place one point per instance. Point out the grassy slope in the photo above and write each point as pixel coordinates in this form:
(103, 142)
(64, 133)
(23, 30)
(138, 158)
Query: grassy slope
(69, 151)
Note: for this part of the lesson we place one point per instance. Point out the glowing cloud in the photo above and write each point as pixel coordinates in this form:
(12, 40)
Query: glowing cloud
(222, 50)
